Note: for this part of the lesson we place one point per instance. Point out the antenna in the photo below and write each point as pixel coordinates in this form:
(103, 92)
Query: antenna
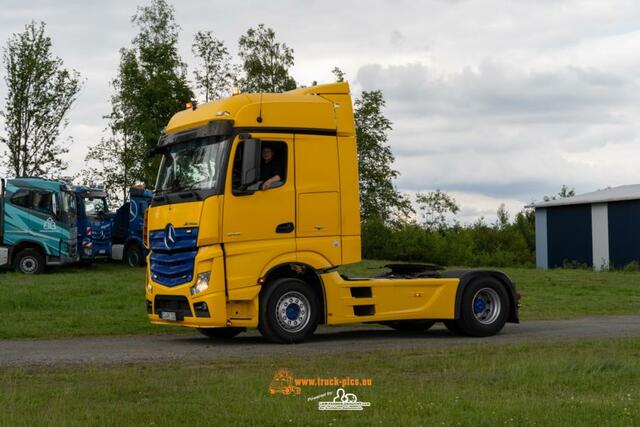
(259, 118)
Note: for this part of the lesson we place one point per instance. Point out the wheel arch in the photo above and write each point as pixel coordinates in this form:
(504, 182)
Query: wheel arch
(301, 271)
(469, 276)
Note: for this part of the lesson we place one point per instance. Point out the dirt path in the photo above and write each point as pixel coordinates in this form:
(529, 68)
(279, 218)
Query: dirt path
(328, 340)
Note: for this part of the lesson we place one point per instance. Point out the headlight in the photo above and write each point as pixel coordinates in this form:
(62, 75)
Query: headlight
(202, 283)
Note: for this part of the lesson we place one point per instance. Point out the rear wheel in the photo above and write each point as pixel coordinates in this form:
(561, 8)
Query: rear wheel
(133, 256)
(30, 261)
(289, 311)
(410, 325)
(484, 309)
(220, 333)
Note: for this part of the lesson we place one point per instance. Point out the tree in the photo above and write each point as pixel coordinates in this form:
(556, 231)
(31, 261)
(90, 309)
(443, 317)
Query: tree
(150, 87)
(525, 223)
(266, 62)
(503, 217)
(339, 74)
(216, 76)
(118, 155)
(378, 196)
(436, 207)
(40, 93)
(157, 88)
(564, 192)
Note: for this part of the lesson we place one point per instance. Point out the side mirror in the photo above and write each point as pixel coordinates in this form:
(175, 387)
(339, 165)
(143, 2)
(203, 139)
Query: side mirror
(251, 162)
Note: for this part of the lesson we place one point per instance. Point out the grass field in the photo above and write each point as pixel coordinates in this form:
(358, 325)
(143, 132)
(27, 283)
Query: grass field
(108, 299)
(588, 383)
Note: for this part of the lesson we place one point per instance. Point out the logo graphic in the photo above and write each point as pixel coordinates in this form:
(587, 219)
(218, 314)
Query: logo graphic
(50, 225)
(169, 236)
(343, 401)
(133, 211)
(282, 383)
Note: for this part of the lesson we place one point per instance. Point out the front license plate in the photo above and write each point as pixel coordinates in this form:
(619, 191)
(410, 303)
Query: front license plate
(168, 315)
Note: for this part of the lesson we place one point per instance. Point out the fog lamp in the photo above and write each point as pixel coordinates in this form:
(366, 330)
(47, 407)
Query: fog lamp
(202, 283)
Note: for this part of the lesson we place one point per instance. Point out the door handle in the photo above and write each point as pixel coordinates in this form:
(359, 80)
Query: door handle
(233, 234)
(286, 227)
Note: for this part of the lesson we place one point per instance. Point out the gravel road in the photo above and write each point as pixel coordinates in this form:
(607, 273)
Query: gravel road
(327, 340)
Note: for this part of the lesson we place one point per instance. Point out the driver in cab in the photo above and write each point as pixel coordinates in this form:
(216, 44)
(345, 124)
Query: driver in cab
(271, 168)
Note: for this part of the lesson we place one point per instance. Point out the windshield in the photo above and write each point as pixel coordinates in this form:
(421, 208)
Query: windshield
(193, 165)
(68, 207)
(94, 207)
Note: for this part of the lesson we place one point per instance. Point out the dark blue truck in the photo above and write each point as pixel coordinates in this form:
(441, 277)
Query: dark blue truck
(94, 223)
(128, 224)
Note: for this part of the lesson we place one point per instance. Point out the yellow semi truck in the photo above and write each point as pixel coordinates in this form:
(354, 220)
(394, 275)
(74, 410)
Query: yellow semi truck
(255, 207)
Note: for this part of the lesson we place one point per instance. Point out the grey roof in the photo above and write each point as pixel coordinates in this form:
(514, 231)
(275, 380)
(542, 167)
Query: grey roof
(624, 192)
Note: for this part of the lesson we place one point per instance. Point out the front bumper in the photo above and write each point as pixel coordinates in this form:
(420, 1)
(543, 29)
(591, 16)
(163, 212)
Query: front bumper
(206, 309)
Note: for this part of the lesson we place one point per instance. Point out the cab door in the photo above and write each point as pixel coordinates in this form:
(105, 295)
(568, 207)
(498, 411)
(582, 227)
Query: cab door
(258, 227)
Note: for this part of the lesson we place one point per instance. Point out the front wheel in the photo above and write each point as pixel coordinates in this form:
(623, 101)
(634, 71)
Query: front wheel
(289, 311)
(484, 309)
(133, 256)
(30, 261)
(220, 333)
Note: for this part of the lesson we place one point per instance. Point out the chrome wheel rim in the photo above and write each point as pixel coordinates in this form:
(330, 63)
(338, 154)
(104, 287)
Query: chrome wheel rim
(293, 311)
(28, 265)
(486, 306)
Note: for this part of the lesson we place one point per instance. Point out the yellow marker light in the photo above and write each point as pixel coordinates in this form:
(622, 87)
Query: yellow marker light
(235, 91)
(189, 105)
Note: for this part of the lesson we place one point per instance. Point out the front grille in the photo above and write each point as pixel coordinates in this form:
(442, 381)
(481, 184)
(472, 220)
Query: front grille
(172, 263)
(177, 304)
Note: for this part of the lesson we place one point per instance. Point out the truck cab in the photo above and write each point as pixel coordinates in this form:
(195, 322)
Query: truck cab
(128, 224)
(94, 224)
(37, 224)
(237, 241)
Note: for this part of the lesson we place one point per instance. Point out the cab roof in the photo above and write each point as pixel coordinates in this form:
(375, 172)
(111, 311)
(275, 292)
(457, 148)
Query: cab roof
(325, 107)
(36, 182)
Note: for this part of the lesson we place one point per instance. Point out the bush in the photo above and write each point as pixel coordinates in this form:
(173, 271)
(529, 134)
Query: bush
(631, 267)
(479, 244)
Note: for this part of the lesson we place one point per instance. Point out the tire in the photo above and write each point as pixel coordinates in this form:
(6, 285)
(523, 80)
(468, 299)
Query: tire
(410, 325)
(30, 261)
(133, 256)
(220, 334)
(485, 308)
(289, 311)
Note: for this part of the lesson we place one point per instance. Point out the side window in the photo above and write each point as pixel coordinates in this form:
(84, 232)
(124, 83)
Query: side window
(42, 201)
(273, 166)
(20, 198)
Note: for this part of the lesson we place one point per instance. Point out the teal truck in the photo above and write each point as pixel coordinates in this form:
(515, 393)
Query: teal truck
(38, 224)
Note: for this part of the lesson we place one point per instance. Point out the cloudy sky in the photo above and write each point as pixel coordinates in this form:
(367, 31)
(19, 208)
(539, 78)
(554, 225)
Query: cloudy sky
(494, 101)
